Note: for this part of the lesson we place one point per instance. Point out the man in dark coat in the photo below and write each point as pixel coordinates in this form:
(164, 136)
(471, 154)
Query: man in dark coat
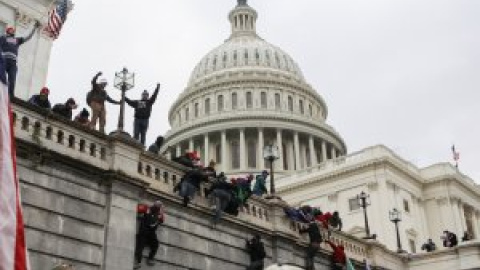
(147, 234)
(143, 110)
(66, 109)
(313, 231)
(256, 250)
(96, 100)
(155, 147)
(41, 100)
(9, 45)
(220, 197)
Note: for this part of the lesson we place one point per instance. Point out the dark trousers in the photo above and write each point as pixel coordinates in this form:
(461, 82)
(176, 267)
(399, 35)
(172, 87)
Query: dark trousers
(256, 265)
(146, 240)
(311, 252)
(11, 70)
(187, 191)
(140, 127)
(221, 198)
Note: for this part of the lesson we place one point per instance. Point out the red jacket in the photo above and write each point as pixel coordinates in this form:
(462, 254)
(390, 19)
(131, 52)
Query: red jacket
(338, 253)
(324, 219)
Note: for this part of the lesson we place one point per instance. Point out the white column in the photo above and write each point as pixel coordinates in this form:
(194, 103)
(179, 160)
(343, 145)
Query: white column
(313, 154)
(297, 151)
(179, 150)
(224, 150)
(457, 217)
(206, 148)
(334, 152)
(476, 226)
(191, 146)
(242, 150)
(462, 216)
(280, 150)
(324, 151)
(261, 161)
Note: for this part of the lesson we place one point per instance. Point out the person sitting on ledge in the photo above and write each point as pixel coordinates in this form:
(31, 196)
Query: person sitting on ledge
(82, 118)
(155, 147)
(65, 109)
(41, 100)
(429, 246)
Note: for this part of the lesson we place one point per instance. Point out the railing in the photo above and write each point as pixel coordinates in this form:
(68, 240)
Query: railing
(52, 133)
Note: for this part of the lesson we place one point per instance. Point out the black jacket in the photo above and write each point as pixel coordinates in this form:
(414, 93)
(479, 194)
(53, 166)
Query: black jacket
(313, 232)
(9, 45)
(143, 108)
(43, 103)
(149, 224)
(63, 110)
(256, 250)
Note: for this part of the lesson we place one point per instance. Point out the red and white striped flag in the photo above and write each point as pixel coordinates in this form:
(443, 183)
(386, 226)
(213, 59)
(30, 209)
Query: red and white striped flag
(456, 155)
(57, 17)
(13, 251)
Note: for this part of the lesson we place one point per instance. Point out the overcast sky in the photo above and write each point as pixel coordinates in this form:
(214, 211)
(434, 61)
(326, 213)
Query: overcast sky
(401, 73)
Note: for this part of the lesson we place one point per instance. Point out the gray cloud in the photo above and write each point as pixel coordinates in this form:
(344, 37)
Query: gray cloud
(399, 73)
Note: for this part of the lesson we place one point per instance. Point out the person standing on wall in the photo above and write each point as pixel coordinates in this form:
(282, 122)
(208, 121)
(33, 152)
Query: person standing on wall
(96, 100)
(143, 110)
(9, 45)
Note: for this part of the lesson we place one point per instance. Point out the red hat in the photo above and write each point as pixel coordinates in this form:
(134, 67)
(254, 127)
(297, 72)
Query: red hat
(10, 30)
(44, 91)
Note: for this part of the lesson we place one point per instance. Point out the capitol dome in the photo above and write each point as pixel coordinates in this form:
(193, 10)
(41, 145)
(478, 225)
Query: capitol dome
(245, 94)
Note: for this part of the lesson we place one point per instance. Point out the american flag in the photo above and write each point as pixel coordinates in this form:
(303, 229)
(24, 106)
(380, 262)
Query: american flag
(57, 17)
(456, 155)
(13, 251)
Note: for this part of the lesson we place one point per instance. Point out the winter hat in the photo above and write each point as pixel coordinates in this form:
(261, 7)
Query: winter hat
(45, 91)
(265, 172)
(145, 93)
(10, 30)
(102, 80)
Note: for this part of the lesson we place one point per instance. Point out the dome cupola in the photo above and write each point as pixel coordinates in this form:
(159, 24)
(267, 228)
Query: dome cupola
(243, 19)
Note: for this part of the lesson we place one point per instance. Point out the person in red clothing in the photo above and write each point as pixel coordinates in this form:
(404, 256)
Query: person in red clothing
(324, 218)
(339, 259)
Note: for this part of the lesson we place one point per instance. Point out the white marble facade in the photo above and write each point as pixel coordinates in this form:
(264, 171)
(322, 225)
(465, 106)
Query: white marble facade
(245, 94)
(34, 55)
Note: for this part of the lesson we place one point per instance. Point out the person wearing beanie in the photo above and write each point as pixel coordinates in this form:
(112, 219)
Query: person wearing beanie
(143, 110)
(65, 109)
(9, 45)
(82, 117)
(41, 100)
(96, 100)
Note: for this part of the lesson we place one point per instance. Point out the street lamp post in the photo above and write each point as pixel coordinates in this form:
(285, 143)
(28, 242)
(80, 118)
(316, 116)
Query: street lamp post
(270, 153)
(364, 201)
(124, 81)
(396, 217)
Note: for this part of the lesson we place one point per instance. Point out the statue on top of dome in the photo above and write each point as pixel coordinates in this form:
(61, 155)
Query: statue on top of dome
(242, 2)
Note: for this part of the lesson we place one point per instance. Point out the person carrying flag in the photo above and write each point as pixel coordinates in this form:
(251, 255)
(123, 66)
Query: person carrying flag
(9, 45)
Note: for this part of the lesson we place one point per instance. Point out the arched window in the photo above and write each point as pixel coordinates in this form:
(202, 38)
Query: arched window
(246, 57)
(263, 100)
(310, 110)
(220, 103)
(290, 103)
(277, 101)
(267, 58)
(187, 114)
(234, 101)
(235, 155)
(300, 104)
(252, 154)
(207, 106)
(249, 100)
(196, 110)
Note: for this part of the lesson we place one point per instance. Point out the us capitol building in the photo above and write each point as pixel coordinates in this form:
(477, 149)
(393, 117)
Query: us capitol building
(248, 93)
(243, 95)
